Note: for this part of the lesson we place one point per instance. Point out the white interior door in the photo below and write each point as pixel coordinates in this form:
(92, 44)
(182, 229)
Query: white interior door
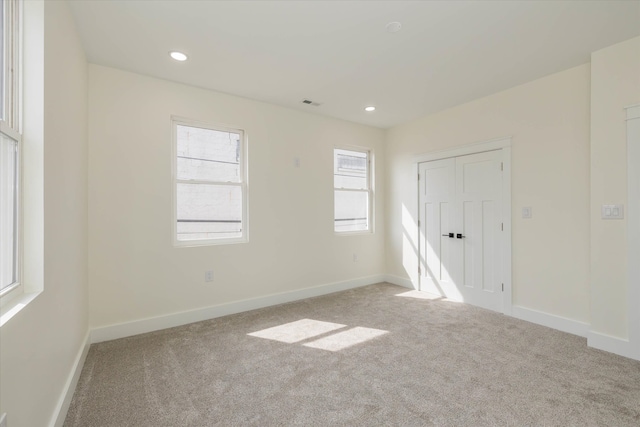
(460, 225)
(437, 206)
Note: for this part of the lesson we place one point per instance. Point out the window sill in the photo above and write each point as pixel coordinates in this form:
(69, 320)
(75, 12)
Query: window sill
(353, 233)
(196, 243)
(15, 304)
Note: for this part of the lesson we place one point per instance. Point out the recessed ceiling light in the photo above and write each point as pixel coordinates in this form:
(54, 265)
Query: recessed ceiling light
(178, 56)
(370, 108)
(393, 27)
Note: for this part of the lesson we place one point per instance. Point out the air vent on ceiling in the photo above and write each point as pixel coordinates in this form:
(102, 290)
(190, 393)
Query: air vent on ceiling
(310, 102)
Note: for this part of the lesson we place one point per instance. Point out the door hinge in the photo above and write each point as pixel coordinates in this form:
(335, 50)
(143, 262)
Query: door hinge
(503, 287)
(501, 166)
(418, 223)
(502, 226)
(418, 177)
(419, 271)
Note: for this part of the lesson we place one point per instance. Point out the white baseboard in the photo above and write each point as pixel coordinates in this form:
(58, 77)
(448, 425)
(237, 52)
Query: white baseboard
(60, 412)
(400, 281)
(142, 326)
(563, 324)
(619, 346)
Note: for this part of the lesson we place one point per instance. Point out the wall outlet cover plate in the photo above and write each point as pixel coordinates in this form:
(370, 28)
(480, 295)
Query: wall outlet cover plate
(612, 211)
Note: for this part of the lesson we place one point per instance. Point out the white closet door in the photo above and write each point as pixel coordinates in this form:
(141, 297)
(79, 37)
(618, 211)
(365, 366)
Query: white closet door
(437, 200)
(479, 213)
(460, 225)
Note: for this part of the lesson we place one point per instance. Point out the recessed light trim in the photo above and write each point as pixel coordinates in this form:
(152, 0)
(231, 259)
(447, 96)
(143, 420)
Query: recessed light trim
(178, 56)
(370, 108)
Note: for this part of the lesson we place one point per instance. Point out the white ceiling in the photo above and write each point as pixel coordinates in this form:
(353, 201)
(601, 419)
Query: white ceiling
(339, 53)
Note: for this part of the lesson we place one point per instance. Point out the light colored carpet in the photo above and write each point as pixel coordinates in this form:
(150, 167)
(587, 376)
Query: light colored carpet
(362, 357)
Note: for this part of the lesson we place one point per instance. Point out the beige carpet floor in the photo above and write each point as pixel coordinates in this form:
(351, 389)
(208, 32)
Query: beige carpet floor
(373, 356)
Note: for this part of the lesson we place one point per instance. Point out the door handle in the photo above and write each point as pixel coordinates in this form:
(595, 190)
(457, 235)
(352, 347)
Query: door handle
(460, 236)
(450, 235)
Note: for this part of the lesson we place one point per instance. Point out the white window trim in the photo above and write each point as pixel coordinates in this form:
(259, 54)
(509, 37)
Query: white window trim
(11, 127)
(175, 122)
(16, 289)
(370, 175)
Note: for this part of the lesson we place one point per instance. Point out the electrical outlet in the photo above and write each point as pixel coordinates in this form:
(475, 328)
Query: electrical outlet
(208, 276)
(355, 257)
(3, 420)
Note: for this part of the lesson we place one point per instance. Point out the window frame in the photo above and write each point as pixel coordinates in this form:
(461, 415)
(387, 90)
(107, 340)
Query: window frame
(242, 183)
(10, 126)
(370, 189)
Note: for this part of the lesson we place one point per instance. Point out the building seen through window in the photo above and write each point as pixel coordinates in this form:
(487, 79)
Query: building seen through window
(10, 148)
(352, 190)
(209, 183)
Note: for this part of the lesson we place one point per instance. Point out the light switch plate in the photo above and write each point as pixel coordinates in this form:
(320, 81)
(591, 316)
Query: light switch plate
(3, 420)
(527, 212)
(612, 211)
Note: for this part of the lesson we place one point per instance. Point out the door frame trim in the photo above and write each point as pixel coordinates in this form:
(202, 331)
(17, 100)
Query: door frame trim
(633, 233)
(504, 145)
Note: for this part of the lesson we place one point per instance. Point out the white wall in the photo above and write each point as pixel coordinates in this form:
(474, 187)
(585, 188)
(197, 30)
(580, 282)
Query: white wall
(548, 120)
(136, 273)
(615, 84)
(39, 346)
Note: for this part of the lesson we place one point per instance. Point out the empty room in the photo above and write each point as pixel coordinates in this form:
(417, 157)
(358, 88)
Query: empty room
(354, 213)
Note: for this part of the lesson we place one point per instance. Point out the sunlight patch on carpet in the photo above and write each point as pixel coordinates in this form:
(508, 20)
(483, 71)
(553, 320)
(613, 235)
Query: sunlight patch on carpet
(428, 296)
(346, 339)
(299, 330)
(419, 295)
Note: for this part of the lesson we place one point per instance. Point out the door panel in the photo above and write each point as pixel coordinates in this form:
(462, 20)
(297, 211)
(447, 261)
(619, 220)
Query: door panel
(489, 249)
(432, 222)
(471, 253)
(462, 195)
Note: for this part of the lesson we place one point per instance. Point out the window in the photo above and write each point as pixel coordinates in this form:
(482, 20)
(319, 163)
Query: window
(352, 190)
(10, 149)
(209, 185)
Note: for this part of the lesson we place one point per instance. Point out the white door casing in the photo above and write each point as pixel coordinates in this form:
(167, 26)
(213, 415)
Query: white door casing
(633, 227)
